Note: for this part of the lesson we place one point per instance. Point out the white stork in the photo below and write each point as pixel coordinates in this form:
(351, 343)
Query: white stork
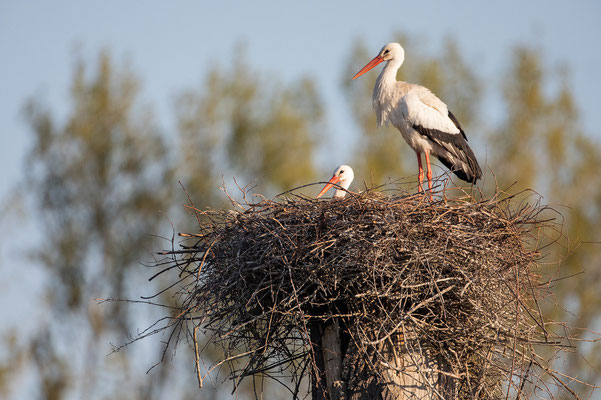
(422, 118)
(343, 177)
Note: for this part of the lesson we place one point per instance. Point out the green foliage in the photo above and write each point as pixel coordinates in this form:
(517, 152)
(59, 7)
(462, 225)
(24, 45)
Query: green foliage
(515, 143)
(102, 178)
(256, 126)
(195, 116)
(99, 181)
(541, 146)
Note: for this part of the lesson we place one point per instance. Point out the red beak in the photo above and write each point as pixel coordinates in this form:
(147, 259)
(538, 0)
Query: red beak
(377, 60)
(327, 187)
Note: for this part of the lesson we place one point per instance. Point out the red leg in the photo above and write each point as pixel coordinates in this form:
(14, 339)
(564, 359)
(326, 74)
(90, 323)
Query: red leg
(429, 173)
(420, 175)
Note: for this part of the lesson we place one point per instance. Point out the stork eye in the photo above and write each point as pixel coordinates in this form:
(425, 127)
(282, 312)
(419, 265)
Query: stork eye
(386, 51)
(342, 171)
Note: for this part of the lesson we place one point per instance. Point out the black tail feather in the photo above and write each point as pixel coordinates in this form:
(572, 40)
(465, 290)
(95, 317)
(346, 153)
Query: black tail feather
(470, 175)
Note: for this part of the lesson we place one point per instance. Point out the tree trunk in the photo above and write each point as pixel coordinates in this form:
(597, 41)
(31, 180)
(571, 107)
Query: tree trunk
(353, 375)
(332, 356)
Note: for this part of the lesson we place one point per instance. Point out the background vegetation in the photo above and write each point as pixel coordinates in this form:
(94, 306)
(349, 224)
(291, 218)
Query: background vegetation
(105, 185)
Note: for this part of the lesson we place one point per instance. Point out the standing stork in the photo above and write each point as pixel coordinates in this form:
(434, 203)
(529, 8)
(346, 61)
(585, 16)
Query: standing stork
(343, 177)
(422, 118)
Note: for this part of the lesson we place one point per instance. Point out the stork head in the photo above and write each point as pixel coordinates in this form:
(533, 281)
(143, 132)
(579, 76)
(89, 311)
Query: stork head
(391, 52)
(343, 176)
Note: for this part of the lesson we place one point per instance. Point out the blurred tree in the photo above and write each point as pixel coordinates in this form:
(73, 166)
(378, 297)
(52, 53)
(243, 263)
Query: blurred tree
(256, 126)
(101, 179)
(99, 183)
(196, 116)
(541, 146)
(520, 145)
(16, 357)
(382, 152)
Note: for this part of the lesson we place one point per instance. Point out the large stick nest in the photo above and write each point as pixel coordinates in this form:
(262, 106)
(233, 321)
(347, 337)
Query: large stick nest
(452, 280)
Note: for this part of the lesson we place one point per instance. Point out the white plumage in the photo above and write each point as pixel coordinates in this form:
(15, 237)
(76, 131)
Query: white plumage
(422, 118)
(343, 177)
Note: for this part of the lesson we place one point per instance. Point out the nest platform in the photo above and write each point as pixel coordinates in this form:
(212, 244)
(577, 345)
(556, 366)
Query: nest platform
(443, 294)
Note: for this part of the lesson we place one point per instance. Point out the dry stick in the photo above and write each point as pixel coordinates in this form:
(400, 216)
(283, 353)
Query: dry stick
(517, 321)
(198, 375)
(408, 314)
(191, 203)
(204, 257)
(306, 331)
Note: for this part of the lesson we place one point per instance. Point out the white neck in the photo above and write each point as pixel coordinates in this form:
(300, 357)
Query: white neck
(338, 194)
(388, 75)
(384, 88)
(341, 193)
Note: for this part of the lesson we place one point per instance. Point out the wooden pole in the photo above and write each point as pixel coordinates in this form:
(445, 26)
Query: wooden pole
(405, 375)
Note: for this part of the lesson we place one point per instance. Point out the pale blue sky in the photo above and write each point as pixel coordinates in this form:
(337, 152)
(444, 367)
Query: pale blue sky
(170, 44)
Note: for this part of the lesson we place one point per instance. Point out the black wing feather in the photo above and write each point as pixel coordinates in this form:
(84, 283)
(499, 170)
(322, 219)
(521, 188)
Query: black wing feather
(461, 150)
(452, 117)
